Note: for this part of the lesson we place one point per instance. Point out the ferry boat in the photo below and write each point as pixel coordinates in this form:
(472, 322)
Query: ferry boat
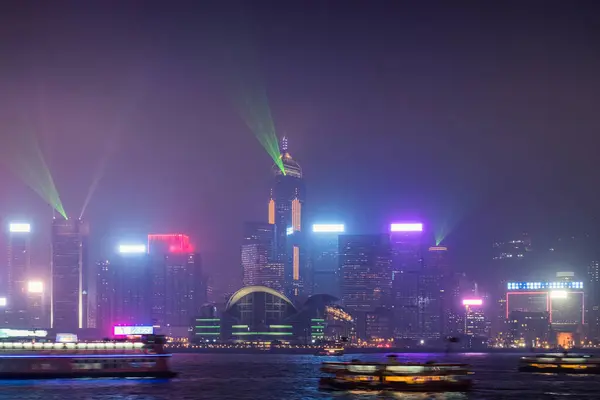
(110, 359)
(409, 377)
(560, 363)
(330, 351)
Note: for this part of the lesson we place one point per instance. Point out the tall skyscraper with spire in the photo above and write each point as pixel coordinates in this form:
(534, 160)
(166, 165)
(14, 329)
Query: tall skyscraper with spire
(287, 215)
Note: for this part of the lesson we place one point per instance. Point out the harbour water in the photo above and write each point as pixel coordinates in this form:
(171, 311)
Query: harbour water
(295, 377)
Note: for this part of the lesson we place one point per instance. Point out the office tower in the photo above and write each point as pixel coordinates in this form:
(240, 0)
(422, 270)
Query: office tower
(406, 246)
(527, 329)
(105, 297)
(593, 300)
(257, 250)
(475, 322)
(405, 299)
(132, 283)
(19, 256)
(179, 287)
(364, 263)
(437, 258)
(36, 306)
(68, 291)
(430, 304)
(324, 248)
(286, 213)
(272, 276)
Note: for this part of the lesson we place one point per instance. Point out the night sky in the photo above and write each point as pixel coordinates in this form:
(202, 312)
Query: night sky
(478, 116)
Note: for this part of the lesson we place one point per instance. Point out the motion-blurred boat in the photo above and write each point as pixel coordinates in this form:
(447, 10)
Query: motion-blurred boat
(413, 377)
(560, 363)
(108, 359)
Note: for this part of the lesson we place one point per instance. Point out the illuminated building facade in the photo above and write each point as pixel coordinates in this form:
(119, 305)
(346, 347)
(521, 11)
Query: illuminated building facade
(437, 258)
(406, 246)
(68, 284)
(258, 313)
(286, 213)
(430, 302)
(593, 300)
(257, 252)
(178, 285)
(476, 323)
(19, 259)
(36, 305)
(364, 271)
(563, 300)
(528, 329)
(324, 261)
(104, 296)
(124, 295)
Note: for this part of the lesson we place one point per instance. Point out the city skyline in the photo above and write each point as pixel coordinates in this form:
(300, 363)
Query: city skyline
(156, 143)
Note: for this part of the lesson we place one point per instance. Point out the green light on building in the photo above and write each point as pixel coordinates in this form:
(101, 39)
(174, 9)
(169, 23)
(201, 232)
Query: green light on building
(263, 333)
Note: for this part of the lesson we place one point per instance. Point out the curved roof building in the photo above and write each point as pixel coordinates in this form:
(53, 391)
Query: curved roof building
(259, 312)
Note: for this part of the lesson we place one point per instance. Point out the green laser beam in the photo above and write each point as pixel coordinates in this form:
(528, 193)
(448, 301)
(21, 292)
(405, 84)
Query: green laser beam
(23, 156)
(248, 90)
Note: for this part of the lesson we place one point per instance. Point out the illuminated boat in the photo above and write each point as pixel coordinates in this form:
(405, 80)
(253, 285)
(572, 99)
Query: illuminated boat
(405, 377)
(560, 363)
(110, 359)
(330, 351)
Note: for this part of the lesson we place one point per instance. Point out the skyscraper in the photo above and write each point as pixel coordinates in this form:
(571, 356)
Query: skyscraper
(129, 281)
(406, 245)
(68, 304)
(19, 258)
(593, 300)
(257, 250)
(286, 213)
(364, 271)
(179, 287)
(105, 296)
(324, 249)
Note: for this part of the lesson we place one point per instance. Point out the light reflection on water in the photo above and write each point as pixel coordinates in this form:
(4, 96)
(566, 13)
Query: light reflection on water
(295, 377)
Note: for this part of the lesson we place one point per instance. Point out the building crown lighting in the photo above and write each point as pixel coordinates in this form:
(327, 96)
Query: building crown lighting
(19, 227)
(328, 228)
(132, 248)
(406, 227)
(543, 285)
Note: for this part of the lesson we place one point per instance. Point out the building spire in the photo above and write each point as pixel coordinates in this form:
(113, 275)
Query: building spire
(284, 144)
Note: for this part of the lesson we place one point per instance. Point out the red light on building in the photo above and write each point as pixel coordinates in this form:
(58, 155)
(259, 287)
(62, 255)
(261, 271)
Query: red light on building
(171, 242)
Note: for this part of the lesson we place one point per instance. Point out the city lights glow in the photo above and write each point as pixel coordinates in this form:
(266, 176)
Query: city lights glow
(19, 228)
(406, 227)
(171, 242)
(7, 333)
(329, 228)
(35, 287)
(543, 285)
(2, 301)
(66, 338)
(438, 248)
(559, 294)
(132, 248)
(132, 330)
(289, 230)
(472, 302)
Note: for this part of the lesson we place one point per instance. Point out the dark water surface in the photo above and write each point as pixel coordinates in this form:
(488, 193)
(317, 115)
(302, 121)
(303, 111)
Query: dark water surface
(295, 377)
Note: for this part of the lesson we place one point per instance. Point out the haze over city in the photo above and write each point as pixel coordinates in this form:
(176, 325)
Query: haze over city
(481, 119)
(240, 199)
